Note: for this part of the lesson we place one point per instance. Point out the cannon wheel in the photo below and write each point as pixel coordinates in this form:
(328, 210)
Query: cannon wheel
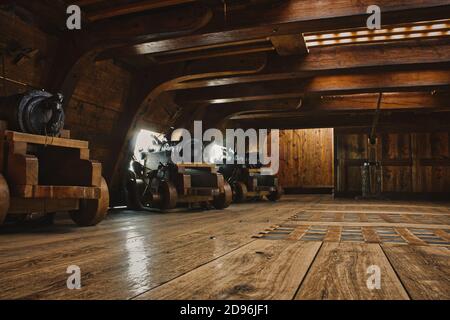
(224, 200)
(4, 199)
(168, 195)
(241, 192)
(92, 212)
(276, 195)
(134, 192)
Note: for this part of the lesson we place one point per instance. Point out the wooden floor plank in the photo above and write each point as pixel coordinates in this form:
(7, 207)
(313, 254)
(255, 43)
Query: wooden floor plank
(65, 234)
(424, 271)
(340, 272)
(264, 269)
(132, 253)
(140, 259)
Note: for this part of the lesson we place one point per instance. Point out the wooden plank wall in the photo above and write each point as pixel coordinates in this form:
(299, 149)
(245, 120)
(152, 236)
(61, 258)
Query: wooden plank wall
(28, 73)
(306, 158)
(98, 100)
(414, 162)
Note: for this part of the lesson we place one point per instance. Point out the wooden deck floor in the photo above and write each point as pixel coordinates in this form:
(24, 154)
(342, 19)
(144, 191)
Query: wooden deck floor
(304, 247)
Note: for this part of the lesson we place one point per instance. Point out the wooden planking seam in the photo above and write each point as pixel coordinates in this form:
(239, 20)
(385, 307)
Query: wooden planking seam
(81, 233)
(117, 272)
(308, 271)
(93, 259)
(431, 267)
(396, 273)
(123, 226)
(339, 272)
(180, 275)
(262, 268)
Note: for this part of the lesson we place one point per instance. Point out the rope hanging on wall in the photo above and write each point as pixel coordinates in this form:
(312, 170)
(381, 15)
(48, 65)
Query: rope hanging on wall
(4, 74)
(225, 10)
(373, 132)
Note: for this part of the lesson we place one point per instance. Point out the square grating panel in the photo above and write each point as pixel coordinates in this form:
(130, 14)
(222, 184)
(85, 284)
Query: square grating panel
(429, 237)
(353, 234)
(389, 235)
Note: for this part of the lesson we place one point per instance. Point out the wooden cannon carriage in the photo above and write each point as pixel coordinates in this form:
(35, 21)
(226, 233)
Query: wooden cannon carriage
(43, 174)
(179, 184)
(251, 184)
(248, 181)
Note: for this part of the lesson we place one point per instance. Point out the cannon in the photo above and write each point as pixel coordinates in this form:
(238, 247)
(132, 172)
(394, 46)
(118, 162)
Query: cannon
(155, 181)
(248, 181)
(42, 170)
(33, 112)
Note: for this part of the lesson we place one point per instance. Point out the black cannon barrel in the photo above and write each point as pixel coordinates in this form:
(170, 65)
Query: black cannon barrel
(35, 112)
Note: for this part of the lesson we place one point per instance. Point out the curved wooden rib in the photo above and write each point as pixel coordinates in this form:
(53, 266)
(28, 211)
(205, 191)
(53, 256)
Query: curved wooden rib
(139, 104)
(77, 51)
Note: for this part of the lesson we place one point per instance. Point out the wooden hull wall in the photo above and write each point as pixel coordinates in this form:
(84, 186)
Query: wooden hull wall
(412, 163)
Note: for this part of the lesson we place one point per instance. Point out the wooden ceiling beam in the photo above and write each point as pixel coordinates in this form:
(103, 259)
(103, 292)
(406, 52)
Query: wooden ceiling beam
(295, 17)
(50, 15)
(393, 121)
(134, 7)
(390, 101)
(269, 105)
(313, 105)
(213, 53)
(77, 50)
(322, 10)
(367, 82)
(83, 3)
(216, 116)
(153, 26)
(339, 59)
